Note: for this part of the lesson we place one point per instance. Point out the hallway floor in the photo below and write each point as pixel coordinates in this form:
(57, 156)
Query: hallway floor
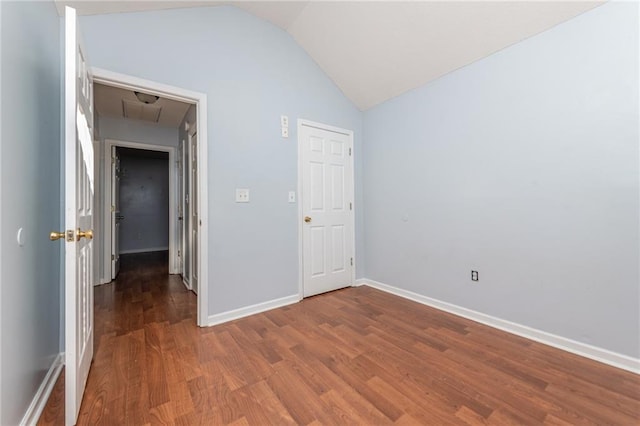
(354, 356)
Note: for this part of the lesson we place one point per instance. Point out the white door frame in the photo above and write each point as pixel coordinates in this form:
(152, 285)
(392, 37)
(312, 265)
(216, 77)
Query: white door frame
(128, 82)
(309, 123)
(173, 201)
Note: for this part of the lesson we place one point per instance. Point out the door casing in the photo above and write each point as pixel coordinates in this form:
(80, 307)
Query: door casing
(301, 123)
(173, 200)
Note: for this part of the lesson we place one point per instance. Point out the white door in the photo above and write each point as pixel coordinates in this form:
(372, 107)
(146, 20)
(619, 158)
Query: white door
(116, 217)
(194, 212)
(78, 218)
(327, 208)
(180, 210)
(186, 216)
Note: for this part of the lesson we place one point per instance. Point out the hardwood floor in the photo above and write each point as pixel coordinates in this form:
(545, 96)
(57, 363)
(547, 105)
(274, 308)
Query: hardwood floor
(354, 356)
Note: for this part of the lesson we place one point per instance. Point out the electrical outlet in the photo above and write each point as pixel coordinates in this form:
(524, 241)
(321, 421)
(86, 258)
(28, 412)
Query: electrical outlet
(242, 195)
(292, 196)
(474, 275)
(285, 132)
(284, 121)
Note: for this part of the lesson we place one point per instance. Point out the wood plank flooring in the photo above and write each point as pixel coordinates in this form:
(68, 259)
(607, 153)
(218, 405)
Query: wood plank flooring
(354, 356)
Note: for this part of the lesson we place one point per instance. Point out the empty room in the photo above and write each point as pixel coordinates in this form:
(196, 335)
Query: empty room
(368, 212)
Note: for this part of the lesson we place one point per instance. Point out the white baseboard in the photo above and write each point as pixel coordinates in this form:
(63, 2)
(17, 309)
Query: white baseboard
(41, 397)
(144, 250)
(250, 310)
(588, 351)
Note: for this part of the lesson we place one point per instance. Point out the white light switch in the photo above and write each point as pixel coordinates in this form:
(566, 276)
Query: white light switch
(242, 195)
(285, 132)
(292, 196)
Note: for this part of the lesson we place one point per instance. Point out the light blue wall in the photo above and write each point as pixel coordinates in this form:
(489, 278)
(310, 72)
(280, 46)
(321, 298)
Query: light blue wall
(252, 72)
(523, 166)
(123, 129)
(30, 198)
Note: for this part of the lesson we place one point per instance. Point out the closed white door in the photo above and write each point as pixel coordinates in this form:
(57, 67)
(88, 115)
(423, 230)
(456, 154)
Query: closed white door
(116, 217)
(194, 212)
(327, 208)
(78, 218)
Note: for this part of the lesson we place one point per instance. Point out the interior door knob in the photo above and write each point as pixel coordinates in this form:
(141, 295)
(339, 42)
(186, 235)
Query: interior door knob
(307, 219)
(85, 234)
(53, 236)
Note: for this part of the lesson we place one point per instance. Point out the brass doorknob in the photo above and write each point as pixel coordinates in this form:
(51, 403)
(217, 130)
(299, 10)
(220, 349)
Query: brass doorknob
(53, 236)
(307, 219)
(84, 234)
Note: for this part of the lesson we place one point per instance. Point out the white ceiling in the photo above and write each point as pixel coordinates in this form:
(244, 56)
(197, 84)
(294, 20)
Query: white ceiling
(376, 50)
(111, 102)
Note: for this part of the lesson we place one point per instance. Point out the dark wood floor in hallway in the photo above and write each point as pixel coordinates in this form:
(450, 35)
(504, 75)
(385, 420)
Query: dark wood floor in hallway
(355, 356)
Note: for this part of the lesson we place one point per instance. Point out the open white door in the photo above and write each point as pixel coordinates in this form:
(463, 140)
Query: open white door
(180, 209)
(327, 207)
(186, 215)
(194, 212)
(116, 217)
(78, 218)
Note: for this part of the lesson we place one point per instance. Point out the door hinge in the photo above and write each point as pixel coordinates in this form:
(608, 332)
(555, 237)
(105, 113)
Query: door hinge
(113, 257)
(349, 152)
(350, 206)
(352, 261)
(113, 209)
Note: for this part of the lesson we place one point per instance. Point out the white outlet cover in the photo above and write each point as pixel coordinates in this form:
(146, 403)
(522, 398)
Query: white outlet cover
(284, 121)
(242, 195)
(285, 132)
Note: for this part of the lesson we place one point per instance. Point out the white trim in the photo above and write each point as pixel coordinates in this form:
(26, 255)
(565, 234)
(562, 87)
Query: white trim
(251, 310)
(114, 79)
(302, 122)
(144, 250)
(173, 203)
(39, 401)
(605, 356)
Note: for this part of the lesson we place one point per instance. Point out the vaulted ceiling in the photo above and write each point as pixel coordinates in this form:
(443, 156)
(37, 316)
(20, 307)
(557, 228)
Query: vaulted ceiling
(376, 50)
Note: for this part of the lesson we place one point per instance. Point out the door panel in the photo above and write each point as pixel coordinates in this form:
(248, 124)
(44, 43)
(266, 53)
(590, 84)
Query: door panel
(327, 194)
(79, 193)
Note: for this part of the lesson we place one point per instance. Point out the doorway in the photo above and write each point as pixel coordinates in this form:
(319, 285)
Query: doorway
(195, 119)
(142, 194)
(140, 203)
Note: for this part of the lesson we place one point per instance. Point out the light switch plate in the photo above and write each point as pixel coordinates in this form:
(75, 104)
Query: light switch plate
(242, 195)
(285, 132)
(292, 196)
